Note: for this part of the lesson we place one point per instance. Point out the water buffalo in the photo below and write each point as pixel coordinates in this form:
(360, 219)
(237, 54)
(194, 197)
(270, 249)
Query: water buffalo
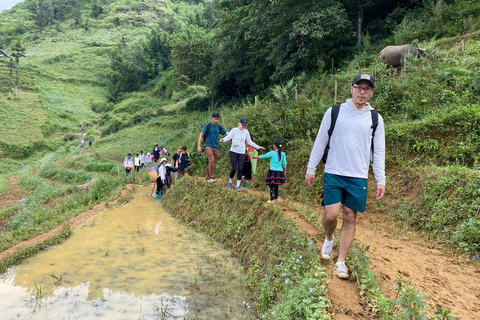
(394, 56)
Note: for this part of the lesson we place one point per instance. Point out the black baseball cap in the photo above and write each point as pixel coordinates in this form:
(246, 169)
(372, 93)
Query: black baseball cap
(243, 121)
(364, 76)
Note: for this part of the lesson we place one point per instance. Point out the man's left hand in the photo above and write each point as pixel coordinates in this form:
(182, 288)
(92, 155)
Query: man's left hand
(380, 191)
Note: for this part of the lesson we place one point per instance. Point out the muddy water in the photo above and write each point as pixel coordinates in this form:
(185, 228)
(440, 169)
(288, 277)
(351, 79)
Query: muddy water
(130, 262)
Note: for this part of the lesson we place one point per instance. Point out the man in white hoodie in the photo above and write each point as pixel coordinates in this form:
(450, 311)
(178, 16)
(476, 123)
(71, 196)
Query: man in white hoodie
(346, 169)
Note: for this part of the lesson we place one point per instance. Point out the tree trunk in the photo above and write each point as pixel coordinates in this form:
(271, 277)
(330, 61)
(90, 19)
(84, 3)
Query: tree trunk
(360, 22)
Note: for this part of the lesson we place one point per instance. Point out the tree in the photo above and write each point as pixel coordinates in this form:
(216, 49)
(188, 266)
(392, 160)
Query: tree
(191, 58)
(98, 7)
(157, 52)
(127, 69)
(44, 13)
(77, 14)
(17, 52)
(60, 8)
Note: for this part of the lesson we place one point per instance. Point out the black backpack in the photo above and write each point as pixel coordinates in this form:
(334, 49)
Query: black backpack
(334, 114)
(208, 129)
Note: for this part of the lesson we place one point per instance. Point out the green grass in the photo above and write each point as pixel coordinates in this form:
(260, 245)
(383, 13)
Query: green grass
(283, 266)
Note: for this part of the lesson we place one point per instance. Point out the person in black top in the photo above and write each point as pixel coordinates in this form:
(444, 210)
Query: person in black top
(156, 152)
(174, 161)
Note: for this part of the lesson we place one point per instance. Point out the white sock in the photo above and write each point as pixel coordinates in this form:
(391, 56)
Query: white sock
(238, 183)
(230, 180)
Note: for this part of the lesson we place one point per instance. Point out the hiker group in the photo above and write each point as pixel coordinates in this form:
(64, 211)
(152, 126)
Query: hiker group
(161, 174)
(351, 135)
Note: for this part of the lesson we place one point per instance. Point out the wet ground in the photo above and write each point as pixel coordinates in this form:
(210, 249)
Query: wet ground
(130, 262)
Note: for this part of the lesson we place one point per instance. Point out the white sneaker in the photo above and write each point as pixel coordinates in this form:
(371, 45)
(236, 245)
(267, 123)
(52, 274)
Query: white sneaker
(342, 270)
(327, 248)
(210, 180)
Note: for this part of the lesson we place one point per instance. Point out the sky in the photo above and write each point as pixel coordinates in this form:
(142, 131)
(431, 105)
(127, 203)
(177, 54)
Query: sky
(8, 4)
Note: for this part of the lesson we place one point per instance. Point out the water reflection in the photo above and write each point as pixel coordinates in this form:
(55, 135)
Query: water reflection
(131, 262)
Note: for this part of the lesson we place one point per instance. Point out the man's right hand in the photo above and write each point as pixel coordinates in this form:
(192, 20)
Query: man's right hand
(199, 149)
(309, 179)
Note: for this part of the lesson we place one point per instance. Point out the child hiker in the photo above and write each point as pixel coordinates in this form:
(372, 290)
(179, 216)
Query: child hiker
(136, 162)
(128, 164)
(276, 173)
(247, 165)
(162, 174)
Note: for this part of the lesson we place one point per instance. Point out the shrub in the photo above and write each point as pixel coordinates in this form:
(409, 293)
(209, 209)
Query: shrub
(198, 103)
(102, 106)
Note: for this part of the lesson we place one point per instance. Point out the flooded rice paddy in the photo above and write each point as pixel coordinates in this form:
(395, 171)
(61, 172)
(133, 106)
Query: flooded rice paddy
(129, 262)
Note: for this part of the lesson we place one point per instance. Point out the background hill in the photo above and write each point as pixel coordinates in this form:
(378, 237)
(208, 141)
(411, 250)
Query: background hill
(130, 73)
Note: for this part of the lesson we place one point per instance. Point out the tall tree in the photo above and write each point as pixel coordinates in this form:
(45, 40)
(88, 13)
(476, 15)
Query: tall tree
(17, 52)
(44, 13)
(60, 8)
(77, 14)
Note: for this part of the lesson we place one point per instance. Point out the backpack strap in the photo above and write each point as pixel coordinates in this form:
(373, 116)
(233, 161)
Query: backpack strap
(334, 114)
(374, 114)
(208, 129)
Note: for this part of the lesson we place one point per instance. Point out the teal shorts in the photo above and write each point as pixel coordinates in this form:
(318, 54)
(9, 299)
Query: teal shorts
(351, 192)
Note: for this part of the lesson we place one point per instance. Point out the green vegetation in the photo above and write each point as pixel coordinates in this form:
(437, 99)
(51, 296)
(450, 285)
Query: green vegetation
(407, 304)
(284, 270)
(131, 73)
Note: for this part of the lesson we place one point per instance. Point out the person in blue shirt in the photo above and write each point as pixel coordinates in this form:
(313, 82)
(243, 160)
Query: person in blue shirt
(276, 172)
(209, 134)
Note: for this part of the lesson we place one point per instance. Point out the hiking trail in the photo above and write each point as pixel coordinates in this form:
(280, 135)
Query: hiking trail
(446, 278)
(449, 280)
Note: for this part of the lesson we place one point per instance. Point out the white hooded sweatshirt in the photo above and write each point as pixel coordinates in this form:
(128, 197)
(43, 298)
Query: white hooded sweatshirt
(350, 144)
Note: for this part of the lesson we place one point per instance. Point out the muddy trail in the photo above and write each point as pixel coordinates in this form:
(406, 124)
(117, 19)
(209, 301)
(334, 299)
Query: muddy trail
(446, 278)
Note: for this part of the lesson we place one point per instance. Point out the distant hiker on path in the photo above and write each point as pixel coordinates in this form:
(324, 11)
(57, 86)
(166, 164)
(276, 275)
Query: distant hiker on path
(148, 158)
(358, 138)
(156, 152)
(239, 136)
(183, 162)
(162, 174)
(82, 142)
(128, 164)
(143, 162)
(209, 134)
(90, 142)
(247, 165)
(276, 172)
(136, 162)
(175, 163)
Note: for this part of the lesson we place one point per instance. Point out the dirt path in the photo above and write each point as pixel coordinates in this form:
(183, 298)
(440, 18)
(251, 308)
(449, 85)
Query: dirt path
(73, 222)
(447, 279)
